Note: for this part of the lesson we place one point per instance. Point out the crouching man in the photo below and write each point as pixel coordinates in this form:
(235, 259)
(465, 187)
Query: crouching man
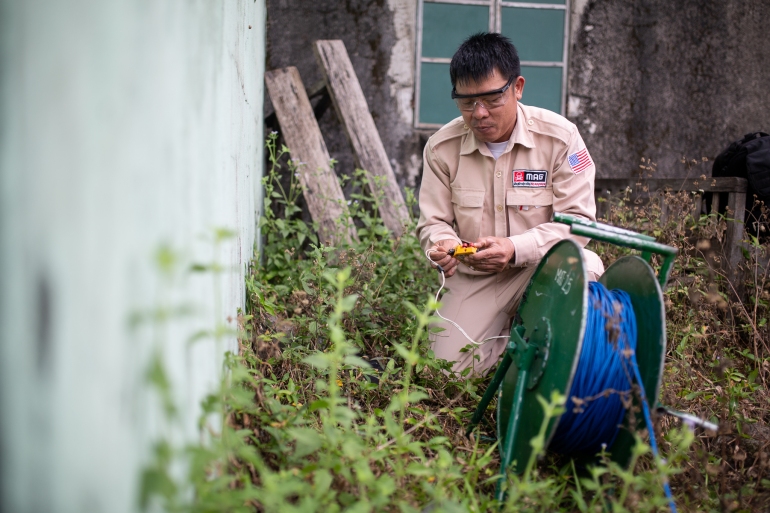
(493, 177)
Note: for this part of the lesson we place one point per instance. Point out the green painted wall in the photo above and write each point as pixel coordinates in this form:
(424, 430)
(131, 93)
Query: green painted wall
(124, 125)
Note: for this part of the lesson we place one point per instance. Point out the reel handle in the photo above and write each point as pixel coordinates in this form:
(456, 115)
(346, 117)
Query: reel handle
(624, 238)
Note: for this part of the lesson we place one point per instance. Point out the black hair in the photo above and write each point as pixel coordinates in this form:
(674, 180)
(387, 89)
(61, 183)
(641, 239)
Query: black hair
(480, 54)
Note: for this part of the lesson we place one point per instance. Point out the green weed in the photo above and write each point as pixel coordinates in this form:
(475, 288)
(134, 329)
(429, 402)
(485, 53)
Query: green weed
(303, 422)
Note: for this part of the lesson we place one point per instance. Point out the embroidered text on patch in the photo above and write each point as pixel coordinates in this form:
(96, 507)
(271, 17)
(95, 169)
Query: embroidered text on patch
(579, 161)
(528, 178)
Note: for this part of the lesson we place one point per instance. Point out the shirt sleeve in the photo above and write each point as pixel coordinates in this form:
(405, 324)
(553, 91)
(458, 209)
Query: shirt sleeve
(573, 193)
(436, 213)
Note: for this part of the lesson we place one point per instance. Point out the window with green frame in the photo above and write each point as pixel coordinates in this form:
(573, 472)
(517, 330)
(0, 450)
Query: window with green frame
(538, 28)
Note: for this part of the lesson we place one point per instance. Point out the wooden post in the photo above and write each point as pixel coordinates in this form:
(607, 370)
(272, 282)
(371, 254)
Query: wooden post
(698, 201)
(303, 137)
(353, 111)
(736, 202)
(715, 202)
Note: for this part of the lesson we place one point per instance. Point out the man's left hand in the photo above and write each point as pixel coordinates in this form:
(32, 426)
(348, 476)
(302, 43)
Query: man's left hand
(492, 256)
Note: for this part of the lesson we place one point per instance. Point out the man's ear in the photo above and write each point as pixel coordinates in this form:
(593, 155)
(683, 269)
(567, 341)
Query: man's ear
(518, 86)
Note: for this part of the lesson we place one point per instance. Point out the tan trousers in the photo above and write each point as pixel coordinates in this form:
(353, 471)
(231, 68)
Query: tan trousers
(483, 307)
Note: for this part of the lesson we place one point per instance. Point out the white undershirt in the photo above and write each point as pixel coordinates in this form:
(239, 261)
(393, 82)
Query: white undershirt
(497, 149)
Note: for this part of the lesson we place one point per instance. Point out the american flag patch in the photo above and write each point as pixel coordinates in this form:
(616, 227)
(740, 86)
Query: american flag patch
(579, 161)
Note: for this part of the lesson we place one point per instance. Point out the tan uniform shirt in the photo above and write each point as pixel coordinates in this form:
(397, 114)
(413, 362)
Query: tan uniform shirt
(467, 194)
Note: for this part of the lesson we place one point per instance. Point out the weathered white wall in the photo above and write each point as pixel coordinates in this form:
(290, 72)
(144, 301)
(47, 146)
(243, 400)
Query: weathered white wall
(401, 73)
(124, 125)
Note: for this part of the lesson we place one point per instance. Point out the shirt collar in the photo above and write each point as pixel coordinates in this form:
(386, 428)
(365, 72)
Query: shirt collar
(521, 135)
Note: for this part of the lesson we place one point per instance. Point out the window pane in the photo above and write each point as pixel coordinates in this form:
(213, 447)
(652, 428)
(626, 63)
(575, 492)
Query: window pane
(445, 26)
(542, 88)
(436, 104)
(537, 33)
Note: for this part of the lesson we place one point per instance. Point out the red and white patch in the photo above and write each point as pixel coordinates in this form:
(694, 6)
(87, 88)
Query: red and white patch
(529, 178)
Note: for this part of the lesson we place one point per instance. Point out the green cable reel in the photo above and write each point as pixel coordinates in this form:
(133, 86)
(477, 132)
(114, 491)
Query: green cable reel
(547, 336)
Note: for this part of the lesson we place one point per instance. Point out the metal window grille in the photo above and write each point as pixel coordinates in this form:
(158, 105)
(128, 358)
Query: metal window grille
(498, 11)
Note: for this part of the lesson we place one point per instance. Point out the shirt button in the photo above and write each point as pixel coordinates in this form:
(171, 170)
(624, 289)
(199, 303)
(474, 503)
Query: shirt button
(499, 208)
(498, 174)
(530, 122)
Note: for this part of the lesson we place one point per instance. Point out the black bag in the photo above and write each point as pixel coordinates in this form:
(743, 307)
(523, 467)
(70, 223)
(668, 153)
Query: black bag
(748, 158)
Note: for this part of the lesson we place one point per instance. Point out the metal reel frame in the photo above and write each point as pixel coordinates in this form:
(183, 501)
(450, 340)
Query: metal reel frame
(547, 334)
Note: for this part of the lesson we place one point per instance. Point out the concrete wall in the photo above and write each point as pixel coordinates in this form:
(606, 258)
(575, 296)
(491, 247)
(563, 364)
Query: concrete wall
(666, 80)
(124, 126)
(647, 78)
(379, 36)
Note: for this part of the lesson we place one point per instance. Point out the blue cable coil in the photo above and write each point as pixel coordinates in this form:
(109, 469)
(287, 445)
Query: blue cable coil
(606, 370)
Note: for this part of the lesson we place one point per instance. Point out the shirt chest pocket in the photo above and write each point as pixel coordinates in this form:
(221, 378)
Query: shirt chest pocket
(528, 208)
(468, 210)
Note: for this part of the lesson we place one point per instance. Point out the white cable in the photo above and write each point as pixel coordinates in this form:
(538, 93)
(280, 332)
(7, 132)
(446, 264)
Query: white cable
(443, 283)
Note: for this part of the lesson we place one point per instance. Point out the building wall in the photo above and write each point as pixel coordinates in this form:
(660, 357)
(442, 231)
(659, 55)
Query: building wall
(125, 127)
(647, 78)
(666, 80)
(379, 37)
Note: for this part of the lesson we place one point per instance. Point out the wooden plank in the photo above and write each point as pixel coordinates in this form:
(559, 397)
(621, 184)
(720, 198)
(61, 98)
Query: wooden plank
(722, 184)
(317, 89)
(353, 111)
(736, 203)
(299, 127)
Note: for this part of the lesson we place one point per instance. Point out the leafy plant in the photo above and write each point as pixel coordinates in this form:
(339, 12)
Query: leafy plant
(335, 402)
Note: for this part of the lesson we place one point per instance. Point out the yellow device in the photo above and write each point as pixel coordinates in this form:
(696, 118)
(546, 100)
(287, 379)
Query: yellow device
(462, 250)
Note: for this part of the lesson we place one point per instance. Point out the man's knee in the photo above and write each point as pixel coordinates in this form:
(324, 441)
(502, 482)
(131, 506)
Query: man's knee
(479, 357)
(594, 265)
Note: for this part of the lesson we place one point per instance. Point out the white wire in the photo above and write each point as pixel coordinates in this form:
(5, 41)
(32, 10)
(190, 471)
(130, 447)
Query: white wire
(443, 283)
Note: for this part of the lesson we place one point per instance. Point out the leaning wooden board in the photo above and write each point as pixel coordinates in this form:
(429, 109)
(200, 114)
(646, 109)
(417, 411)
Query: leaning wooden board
(353, 111)
(299, 127)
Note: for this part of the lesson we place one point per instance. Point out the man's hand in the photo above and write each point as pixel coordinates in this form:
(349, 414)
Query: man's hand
(492, 256)
(438, 254)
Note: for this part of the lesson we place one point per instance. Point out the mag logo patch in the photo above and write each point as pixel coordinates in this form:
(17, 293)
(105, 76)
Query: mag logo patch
(528, 178)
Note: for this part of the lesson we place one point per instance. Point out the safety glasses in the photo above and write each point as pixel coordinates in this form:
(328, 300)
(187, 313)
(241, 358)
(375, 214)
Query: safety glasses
(489, 99)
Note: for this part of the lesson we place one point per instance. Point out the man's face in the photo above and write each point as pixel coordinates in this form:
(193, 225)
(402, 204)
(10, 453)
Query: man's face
(494, 124)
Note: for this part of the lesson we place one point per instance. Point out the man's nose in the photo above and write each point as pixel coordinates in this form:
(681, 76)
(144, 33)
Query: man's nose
(479, 111)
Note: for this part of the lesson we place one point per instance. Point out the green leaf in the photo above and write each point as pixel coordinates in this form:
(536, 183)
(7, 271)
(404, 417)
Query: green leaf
(221, 234)
(320, 404)
(693, 395)
(318, 360)
(415, 397)
(322, 481)
(349, 302)
(166, 259)
(417, 469)
(406, 354)
(306, 440)
(355, 361)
